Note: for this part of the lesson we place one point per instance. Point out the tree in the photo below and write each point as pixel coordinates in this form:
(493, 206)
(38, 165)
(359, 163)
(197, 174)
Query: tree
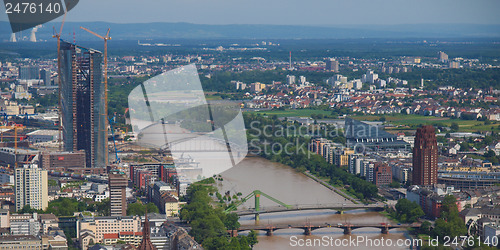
(449, 223)
(215, 243)
(27, 210)
(206, 227)
(234, 244)
(425, 228)
(152, 208)
(244, 243)
(408, 211)
(231, 221)
(489, 154)
(454, 126)
(252, 238)
(135, 209)
(394, 184)
(140, 209)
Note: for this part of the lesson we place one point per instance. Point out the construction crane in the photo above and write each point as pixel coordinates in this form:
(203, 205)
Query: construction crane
(58, 36)
(105, 38)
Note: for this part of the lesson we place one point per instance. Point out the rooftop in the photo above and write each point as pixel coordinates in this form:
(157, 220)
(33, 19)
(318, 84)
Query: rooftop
(5, 239)
(43, 132)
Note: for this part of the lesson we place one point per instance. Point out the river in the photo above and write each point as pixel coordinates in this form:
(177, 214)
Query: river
(294, 188)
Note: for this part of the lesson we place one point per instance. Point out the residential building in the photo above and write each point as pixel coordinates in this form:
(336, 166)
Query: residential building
(24, 224)
(491, 232)
(382, 175)
(4, 218)
(48, 221)
(96, 227)
(31, 187)
(26, 242)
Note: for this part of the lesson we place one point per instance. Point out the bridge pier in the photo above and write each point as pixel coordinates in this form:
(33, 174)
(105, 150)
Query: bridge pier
(347, 230)
(307, 231)
(269, 232)
(385, 230)
(257, 217)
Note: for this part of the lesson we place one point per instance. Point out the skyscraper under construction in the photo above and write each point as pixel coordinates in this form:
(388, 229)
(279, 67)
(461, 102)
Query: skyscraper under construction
(82, 104)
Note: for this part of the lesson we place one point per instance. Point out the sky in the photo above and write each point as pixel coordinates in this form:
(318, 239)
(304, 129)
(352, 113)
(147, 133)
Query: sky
(301, 12)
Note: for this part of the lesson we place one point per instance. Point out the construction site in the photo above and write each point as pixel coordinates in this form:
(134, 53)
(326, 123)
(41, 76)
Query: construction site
(76, 137)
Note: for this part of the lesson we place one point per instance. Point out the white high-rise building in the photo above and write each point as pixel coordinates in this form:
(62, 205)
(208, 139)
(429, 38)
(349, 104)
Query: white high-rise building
(442, 57)
(357, 84)
(290, 79)
(31, 187)
(371, 77)
(302, 79)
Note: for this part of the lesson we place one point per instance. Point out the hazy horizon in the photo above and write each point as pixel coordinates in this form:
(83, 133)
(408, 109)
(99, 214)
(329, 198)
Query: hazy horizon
(326, 13)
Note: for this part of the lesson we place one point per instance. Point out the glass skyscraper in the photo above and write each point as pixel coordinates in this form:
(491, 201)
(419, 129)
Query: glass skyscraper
(82, 103)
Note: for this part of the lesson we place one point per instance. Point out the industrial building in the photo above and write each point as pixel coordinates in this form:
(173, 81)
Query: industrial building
(361, 136)
(64, 161)
(83, 103)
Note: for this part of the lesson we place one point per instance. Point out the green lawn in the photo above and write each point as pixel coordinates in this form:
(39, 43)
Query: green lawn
(294, 112)
(415, 120)
(212, 97)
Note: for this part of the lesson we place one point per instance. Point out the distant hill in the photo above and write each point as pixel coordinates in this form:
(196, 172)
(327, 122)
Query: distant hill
(142, 31)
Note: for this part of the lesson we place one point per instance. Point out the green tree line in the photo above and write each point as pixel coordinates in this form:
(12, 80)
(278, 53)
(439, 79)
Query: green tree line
(209, 224)
(297, 155)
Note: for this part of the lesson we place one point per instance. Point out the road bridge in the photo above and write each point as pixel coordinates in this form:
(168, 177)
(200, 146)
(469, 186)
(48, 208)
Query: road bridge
(309, 228)
(334, 206)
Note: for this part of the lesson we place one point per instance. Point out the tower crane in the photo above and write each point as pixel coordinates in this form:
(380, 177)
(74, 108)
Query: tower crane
(105, 38)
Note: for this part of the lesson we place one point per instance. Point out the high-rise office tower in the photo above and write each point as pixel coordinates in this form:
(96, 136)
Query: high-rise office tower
(29, 72)
(31, 187)
(82, 103)
(118, 183)
(425, 156)
(332, 65)
(45, 76)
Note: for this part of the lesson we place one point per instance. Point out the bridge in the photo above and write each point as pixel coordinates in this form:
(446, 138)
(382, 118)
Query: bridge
(334, 206)
(309, 228)
(257, 210)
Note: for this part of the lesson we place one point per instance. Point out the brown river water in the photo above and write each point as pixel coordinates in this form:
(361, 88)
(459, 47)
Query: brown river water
(294, 188)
